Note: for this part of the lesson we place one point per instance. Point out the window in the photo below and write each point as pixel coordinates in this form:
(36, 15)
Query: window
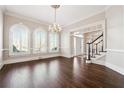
(40, 41)
(19, 39)
(53, 42)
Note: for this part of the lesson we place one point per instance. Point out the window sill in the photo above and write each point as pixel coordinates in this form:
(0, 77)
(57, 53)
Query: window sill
(31, 54)
(18, 54)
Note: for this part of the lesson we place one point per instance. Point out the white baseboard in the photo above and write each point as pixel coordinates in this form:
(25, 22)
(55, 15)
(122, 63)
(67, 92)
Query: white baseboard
(115, 59)
(1, 65)
(67, 56)
(88, 61)
(115, 68)
(99, 62)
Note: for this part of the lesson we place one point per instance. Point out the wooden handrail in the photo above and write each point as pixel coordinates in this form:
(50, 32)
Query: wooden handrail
(89, 56)
(96, 39)
(100, 41)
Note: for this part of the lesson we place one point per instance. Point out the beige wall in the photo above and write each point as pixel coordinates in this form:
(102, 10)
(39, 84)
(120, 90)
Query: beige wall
(11, 20)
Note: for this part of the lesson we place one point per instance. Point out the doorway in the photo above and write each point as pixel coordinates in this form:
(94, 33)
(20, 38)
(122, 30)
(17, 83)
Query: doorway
(78, 48)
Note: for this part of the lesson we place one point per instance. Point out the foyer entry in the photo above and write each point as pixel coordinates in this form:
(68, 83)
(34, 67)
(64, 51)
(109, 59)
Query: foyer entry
(90, 42)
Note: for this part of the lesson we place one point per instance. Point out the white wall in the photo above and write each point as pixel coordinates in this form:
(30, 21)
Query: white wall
(65, 44)
(1, 37)
(115, 38)
(78, 46)
(67, 47)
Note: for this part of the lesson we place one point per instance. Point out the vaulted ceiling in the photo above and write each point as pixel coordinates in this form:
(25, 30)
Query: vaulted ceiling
(66, 14)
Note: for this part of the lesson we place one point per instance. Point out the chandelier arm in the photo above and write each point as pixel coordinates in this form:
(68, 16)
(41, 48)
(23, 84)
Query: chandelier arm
(55, 16)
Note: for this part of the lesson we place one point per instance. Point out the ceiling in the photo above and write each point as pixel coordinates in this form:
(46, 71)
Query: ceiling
(66, 14)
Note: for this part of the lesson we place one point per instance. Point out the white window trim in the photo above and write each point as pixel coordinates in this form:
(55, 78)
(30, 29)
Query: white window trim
(10, 42)
(58, 44)
(33, 49)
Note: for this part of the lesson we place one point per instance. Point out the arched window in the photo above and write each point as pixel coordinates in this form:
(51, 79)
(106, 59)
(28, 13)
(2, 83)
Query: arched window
(19, 39)
(53, 42)
(40, 41)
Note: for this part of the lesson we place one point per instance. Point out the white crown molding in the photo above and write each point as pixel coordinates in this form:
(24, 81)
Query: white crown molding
(81, 19)
(25, 18)
(89, 25)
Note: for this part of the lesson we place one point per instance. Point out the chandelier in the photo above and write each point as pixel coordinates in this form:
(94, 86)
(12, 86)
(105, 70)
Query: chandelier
(55, 27)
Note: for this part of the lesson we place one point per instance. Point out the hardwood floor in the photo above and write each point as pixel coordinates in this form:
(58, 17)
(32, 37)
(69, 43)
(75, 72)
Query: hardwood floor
(58, 72)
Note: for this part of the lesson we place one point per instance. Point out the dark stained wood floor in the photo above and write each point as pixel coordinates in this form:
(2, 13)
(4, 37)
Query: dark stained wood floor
(59, 72)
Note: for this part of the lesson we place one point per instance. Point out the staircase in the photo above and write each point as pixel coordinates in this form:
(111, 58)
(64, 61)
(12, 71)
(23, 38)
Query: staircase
(95, 51)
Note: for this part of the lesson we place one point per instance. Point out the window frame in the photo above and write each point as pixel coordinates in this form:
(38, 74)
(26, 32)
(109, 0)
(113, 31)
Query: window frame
(11, 53)
(57, 42)
(46, 36)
